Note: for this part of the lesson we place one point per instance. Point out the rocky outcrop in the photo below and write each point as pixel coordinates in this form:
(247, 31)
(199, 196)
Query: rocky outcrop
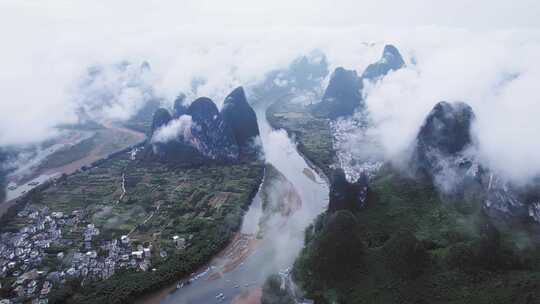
(161, 117)
(391, 60)
(442, 143)
(172, 150)
(342, 96)
(238, 114)
(201, 128)
(446, 153)
(447, 128)
(345, 195)
(211, 135)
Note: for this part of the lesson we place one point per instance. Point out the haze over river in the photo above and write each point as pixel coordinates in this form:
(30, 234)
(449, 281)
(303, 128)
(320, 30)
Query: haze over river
(281, 242)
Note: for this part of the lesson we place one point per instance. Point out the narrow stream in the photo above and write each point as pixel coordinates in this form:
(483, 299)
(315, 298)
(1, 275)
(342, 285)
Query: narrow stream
(280, 245)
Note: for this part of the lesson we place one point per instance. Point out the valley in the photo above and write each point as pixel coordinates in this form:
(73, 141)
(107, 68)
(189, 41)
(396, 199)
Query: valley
(296, 195)
(81, 149)
(278, 236)
(166, 215)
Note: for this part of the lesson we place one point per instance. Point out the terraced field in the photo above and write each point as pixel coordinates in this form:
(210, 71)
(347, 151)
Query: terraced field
(150, 202)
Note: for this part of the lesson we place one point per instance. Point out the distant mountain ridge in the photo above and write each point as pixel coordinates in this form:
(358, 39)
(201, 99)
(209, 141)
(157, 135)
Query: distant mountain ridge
(391, 60)
(343, 95)
(303, 76)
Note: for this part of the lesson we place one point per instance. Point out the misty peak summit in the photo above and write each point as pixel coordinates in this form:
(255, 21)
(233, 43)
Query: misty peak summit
(241, 117)
(236, 97)
(392, 56)
(391, 60)
(342, 96)
(161, 117)
(145, 66)
(202, 128)
(444, 147)
(203, 109)
(447, 128)
(213, 136)
(179, 108)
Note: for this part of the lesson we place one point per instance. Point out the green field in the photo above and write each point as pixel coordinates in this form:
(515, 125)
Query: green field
(203, 204)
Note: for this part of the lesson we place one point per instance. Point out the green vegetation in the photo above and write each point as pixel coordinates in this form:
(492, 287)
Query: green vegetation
(408, 246)
(273, 293)
(313, 135)
(202, 204)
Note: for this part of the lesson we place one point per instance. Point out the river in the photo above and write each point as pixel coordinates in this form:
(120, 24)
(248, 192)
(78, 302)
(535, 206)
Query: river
(30, 175)
(280, 244)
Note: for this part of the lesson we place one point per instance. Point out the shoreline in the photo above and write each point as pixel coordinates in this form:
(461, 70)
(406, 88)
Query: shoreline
(157, 296)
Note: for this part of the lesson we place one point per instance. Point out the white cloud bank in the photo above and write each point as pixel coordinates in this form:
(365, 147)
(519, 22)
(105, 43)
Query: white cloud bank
(180, 127)
(496, 74)
(466, 50)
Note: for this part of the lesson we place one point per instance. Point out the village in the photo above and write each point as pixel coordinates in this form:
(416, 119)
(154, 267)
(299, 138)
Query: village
(44, 254)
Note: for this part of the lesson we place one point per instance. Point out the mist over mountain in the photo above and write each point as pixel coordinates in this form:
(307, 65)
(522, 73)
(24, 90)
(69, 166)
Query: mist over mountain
(398, 144)
(391, 60)
(179, 106)
(343, 95)
(442, 143)
(446, 152)
(114, 91)
(302, 77)
(238, 114)
(201, 129)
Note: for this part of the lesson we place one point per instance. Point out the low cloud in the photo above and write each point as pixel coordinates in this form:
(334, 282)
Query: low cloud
(463, 50)
(113, 91)
(495, 74)
(175, 129)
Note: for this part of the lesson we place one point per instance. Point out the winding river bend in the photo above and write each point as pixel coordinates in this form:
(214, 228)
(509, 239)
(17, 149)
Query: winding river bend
(239, 280)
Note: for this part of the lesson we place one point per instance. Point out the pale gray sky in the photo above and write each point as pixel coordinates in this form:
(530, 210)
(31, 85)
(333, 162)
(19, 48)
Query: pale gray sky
(464, 49)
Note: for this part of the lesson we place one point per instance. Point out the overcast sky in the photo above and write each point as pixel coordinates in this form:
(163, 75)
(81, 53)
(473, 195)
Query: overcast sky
(466, 50)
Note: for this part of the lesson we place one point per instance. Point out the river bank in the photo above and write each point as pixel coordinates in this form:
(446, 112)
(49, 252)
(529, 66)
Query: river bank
(278, 247)
(41, 175)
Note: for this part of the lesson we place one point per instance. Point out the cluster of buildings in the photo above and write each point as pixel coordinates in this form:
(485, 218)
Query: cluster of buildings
(22, 251)
(43, 249)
